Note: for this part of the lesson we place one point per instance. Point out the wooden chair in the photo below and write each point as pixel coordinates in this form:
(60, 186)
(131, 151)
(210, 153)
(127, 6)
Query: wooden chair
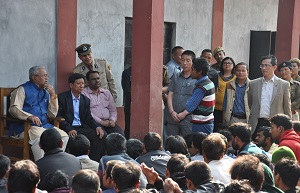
(5, 118)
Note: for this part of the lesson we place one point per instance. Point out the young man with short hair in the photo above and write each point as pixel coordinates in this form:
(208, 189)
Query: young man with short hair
(23, 177)
(241, 139)
(264, 139)
(126, 176)
(86, 181)
(55, 158)
(286, 175)
(115, 144)
(174, 65)
(202, 102)
(79, 146)
(281, 129)
(107, 179)
(213, 150)
(195, 182)
(248, 167)
(154, 156)
(180, 90)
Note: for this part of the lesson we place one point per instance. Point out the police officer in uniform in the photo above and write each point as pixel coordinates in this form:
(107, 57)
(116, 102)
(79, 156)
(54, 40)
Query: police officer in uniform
(89, 64)
(285, 69)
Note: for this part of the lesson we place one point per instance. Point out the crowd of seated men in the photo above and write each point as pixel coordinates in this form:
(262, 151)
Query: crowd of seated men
(207, 164)
(218, 163)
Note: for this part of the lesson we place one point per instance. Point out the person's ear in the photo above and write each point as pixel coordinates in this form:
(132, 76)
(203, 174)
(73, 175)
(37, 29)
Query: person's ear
(189, 184)
(138, 184)
(115, 186)
(281, 129)
(33, 189)
(167, 173)
(61, 143)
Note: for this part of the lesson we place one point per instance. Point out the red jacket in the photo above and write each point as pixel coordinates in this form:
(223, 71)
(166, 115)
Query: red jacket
(292, 140)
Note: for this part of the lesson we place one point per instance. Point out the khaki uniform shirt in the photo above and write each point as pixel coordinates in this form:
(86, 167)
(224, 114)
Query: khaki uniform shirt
(106, 77)
(165, 82)
(166, 79)
(295, 95)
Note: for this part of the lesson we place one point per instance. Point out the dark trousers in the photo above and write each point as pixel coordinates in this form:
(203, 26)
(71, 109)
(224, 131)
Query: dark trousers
(218, 119)
(97, 149)
(261, 122)
(127, 114)
(115, 129)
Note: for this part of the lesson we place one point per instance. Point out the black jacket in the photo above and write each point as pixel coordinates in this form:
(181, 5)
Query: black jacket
(66, 111)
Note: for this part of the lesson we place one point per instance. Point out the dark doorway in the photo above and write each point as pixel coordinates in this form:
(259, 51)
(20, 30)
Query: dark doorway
(169, 41)
(261, 43)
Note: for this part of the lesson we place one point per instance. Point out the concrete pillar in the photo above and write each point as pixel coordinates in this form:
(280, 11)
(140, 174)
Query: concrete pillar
(288, 30)
(147, 60)
(66, 42)
(217, 24)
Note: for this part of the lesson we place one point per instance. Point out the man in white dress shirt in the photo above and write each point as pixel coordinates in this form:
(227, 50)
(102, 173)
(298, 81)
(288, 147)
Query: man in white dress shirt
(268, 95)
(213, 150)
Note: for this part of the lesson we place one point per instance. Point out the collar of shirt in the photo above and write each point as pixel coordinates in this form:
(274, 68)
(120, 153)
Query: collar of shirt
(74, 98)
(92, 64)
(203, 78)
(90, 91)
(177, 65)
(182, 74)
(83, 157)
(245, 83)
(272, 79)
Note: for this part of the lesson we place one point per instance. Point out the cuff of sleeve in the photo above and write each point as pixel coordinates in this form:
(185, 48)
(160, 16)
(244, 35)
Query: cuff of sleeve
(53, 97)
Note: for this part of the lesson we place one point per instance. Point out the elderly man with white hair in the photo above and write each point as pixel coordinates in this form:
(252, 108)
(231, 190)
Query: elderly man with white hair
(34, 101)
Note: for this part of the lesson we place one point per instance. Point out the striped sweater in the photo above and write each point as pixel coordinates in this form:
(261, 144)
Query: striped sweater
(205, 109)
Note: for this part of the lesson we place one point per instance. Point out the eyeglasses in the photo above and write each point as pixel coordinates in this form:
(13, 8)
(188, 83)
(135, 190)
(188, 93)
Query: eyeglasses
(265, 65)
(42, 76)
(227, 63)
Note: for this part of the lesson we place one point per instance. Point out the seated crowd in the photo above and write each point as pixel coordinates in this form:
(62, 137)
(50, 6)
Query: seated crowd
(227, 134)
(216, 163)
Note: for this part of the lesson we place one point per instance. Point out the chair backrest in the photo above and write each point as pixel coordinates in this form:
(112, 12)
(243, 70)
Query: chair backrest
(4, 104)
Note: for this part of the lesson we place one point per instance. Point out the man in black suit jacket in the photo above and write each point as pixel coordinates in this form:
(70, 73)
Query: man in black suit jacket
(74, 107)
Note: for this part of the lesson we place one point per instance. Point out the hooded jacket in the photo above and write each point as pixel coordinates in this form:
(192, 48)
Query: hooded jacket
(268, 185)
(291, 139)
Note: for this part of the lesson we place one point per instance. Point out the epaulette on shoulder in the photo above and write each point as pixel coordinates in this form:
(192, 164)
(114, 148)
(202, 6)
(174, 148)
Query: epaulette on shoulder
(297, 82)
